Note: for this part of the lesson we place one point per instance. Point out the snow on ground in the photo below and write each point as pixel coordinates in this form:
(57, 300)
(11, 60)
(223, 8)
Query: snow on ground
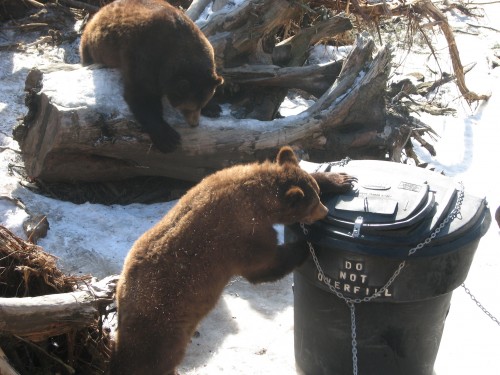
(251, 329)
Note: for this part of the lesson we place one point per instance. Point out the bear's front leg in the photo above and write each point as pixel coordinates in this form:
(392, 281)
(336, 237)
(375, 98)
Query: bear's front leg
(148, 111)
(331, 182)
(279, 263)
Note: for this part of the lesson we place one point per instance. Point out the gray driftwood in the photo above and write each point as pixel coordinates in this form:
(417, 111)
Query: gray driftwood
(38, 318)
(79, 129)
(72, 134)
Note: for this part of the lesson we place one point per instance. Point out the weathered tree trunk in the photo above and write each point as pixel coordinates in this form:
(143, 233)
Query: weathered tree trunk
(253, 43)
(38, 318)
(75, 135)
(314, 79)
(247, 35)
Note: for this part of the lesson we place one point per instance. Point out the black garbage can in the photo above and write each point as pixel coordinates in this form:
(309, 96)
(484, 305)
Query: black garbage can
(366, 236)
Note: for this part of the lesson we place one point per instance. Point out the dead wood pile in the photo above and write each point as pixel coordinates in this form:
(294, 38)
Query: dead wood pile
(261, 48)
(47, 325)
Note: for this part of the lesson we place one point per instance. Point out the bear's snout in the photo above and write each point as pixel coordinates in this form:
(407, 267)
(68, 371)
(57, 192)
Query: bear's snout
(192, 117)
(319, 212)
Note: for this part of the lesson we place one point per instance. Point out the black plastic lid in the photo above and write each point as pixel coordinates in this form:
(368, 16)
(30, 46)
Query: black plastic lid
(395, 203)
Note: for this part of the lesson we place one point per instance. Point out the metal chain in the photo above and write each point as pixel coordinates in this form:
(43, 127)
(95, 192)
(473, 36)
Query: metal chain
(340, 163)
(452, 215)
(490, 315)
(352, 301)
(354, 342)
(339, 294)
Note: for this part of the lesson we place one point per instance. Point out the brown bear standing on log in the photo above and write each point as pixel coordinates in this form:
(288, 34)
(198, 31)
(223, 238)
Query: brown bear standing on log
(175, 273)
(160, 52)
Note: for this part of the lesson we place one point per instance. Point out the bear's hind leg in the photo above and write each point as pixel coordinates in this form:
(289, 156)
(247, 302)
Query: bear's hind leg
(148, 111)
(85, 55)
(150, 350)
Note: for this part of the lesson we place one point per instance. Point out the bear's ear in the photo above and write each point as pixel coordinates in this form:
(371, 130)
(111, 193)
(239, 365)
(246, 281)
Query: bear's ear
(294, 195)
(218, 80)
(286, 155)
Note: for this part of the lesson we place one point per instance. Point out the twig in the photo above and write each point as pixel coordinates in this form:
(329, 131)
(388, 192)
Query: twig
(13, 47)
(400, 142)
(35, 3)
(431, 10)
(36, 226)
(410, 153)
(44, 39)
(70, 369)
(487, 3)
(5, 148)
(16, 201)
(484, 27)
(460, 7)
(424, 143)
(80, 5)
(27, 26)
(423, 90)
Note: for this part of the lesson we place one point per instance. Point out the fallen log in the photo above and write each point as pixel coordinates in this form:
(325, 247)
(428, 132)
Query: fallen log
(38, 318)
(314, 79)
(42, 309)
(76, 133)
(246, 34)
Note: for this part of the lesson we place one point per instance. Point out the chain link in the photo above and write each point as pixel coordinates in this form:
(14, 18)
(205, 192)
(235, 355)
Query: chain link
(490, 315)
(352, 301)
(451, 216)
(340, 163)
(354, 342)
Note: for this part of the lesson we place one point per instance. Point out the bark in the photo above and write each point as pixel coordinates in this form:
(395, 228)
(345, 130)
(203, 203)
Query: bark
(246, 33)
(314, 79)
(239, 38)
(38, 318)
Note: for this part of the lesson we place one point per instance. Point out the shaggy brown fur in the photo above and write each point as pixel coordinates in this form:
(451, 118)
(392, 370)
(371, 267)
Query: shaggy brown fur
(160, 51)
(175, 273)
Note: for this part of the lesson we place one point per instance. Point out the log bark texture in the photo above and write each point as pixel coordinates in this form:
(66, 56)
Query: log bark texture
(72, 134)
(38, 318)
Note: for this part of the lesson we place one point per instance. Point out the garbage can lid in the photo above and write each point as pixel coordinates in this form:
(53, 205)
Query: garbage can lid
(383, 205)
(399, 201)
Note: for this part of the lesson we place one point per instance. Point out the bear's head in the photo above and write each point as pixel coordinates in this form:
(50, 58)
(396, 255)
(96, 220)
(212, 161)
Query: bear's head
(190, 93)
(298, 191)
